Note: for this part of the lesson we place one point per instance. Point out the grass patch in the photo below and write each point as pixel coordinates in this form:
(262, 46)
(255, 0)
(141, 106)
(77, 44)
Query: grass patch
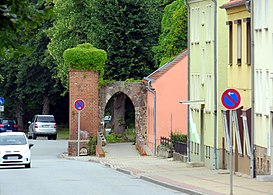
(62, 133)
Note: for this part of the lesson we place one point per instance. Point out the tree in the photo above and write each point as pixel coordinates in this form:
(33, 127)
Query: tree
(126, 29)
(72, 26)
(173, 38)
(18, 17)
(27, 78)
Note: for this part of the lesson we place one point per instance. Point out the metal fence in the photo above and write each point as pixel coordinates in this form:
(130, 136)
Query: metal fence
(180, 148)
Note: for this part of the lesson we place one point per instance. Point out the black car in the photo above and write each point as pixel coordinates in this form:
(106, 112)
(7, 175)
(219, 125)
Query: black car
(8, 124)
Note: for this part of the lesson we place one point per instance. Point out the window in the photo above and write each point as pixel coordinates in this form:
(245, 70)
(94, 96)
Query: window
(230, 42)
(203, 18)
(267, 109)
(239, 41)
(208, 93)
(197, 25)
(258, 15)
(266, 14)
(192, 26)
(195, 89)
(208, 22)
(248, 41)
(203, 65)
(258, 91)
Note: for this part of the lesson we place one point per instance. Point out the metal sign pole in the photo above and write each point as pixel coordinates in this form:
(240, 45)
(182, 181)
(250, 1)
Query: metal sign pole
(231, 151)
(79, 131)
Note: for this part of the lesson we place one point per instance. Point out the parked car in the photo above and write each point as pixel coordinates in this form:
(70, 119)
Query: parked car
(15, 149)
(8, 124)
(42, 125)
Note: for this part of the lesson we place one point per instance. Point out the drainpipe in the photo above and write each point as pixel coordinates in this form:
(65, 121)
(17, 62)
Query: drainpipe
(215, 86)
(189, 76)
(249, 6)
(153, 92)
(252, 159)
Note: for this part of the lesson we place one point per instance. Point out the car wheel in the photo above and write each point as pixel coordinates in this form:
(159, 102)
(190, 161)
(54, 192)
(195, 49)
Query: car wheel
(27, 165)
(49, 137)
(54, 137)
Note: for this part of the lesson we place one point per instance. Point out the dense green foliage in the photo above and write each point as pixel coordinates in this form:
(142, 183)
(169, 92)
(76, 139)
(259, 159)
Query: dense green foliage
(35, 34)
(72, 26)
(178, 137)
(92, 145)
(27, 78)
(173, 38)
(126, 30)
(85, 57)
(18, 17)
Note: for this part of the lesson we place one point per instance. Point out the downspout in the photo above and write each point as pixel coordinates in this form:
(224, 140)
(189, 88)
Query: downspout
(249, 6)
(189, 46)
(215, 86)
(154, 93)
(252, 159)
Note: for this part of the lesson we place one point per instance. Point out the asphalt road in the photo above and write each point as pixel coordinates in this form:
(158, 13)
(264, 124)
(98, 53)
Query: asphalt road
(50, 175)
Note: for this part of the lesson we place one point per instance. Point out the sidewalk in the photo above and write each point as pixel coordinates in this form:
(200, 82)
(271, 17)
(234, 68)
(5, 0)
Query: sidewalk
(175, 174)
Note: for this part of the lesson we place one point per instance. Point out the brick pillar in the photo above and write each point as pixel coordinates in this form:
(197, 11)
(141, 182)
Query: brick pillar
(83, 85)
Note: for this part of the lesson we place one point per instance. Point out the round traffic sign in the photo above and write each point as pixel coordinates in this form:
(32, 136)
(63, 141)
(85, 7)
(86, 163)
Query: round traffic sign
(231, 98)
(79, 105)
(2, 100)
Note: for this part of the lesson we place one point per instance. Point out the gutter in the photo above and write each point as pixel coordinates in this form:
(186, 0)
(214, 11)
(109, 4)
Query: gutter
(154, 93)
(189, 47)
(252, 157)
(215, 86)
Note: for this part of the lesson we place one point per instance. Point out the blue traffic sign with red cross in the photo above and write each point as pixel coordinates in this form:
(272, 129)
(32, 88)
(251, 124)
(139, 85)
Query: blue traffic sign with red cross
(79, 105)
(231, 98)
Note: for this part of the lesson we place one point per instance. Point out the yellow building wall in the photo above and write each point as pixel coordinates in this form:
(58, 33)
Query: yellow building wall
(239, 75)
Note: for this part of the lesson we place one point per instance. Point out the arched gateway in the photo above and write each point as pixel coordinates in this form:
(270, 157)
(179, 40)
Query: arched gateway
(86, 65)
(84, 85)
(137, 92)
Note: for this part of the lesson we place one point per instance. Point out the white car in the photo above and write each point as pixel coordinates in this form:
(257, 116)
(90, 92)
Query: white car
(42, 125)
(15, 149)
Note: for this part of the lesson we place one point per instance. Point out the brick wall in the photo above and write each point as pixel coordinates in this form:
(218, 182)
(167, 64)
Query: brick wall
(83, 85)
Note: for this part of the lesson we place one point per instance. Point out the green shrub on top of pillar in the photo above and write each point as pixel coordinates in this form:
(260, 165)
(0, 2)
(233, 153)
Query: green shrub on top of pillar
(85, 57)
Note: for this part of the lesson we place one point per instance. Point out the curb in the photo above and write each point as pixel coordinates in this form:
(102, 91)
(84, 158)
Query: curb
(145, 178)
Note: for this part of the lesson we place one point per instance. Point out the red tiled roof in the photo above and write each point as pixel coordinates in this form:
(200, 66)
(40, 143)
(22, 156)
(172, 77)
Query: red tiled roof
(163, 69)
(233, 3)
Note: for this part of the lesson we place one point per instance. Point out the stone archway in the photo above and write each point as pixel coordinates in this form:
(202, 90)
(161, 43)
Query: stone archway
(137, 92)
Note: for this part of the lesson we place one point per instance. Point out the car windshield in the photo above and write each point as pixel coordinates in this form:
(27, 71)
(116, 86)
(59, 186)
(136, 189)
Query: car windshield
(46, 119)
(12, 140)
(8, 121)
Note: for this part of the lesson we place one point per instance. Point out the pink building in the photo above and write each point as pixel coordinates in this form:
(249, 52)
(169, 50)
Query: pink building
(170, 82)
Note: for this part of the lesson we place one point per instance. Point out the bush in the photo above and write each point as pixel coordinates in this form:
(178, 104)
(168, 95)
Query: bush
(113, 138)
(178, 137)
(92, 145)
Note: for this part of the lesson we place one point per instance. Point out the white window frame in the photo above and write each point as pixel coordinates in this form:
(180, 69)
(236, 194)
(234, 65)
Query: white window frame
(197, 88)
(246, 135)
(197, 25)
(266, 7)
(239, 41)
(258, 91)
(192, 25)
(208, 22)
(267, 106)
(226, 130)
(203, 18)
(203, 65)
(237, 132)
(208, 93)
(258, 14)
(193, 89)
